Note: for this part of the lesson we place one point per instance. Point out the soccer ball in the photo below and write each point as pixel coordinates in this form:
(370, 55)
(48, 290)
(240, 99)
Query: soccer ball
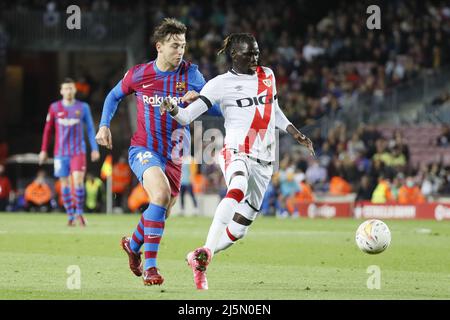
(373, 236)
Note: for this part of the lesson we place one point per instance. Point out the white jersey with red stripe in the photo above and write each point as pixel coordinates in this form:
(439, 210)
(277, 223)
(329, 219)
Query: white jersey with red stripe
(248, 104)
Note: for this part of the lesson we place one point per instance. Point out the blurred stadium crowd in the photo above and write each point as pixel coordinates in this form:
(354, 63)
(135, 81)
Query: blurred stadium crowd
(319, 65)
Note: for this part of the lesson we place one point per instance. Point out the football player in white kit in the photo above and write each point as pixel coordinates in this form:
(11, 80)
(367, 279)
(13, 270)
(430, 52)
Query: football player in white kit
(247, 97)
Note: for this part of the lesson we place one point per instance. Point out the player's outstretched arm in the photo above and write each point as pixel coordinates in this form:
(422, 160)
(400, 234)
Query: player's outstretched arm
(104, 137)
(186, 115)
(282, 122)
(48, 129)
(191, 96)
(87, 118)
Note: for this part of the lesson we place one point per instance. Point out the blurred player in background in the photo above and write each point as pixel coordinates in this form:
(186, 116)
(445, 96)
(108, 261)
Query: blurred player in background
(68, 117)
(248, 100)
(155, 155)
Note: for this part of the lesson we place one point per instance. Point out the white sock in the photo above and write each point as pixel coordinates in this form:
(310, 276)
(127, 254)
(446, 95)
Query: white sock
(222, 217)
(225, 210)
(224, 243)
(233, 232)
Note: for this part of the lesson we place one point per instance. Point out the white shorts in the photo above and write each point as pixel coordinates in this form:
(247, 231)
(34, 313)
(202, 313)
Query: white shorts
(258, 174)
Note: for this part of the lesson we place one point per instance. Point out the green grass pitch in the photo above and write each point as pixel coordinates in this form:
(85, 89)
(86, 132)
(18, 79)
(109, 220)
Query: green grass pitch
(279, 259)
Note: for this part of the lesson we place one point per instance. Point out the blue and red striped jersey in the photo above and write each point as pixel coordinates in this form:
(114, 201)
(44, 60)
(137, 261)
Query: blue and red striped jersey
(151, 86)
(68, 122)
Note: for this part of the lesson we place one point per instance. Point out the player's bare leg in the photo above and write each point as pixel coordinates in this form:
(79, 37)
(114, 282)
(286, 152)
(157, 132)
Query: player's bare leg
(157, 186)
(78, 183)
(172, 202)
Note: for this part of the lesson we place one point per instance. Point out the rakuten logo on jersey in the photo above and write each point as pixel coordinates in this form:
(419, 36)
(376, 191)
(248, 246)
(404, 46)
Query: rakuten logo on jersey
(157, 100)
(248, 102)
(68, 122)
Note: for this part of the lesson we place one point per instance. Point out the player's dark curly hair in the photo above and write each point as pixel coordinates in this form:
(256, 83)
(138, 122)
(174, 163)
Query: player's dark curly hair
(67, 80)
(169, 26)
(234, 39)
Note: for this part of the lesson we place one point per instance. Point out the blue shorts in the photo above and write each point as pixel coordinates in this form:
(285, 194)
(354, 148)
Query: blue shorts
(142, 158)
(64, 165)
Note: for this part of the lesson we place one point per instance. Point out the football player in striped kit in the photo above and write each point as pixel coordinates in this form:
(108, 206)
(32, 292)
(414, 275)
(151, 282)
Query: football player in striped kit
(158, 145)
(68, 117)
(248, 100)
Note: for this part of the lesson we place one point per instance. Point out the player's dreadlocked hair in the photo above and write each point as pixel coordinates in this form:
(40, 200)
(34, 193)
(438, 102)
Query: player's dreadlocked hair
(169, 26)
(234, 39)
